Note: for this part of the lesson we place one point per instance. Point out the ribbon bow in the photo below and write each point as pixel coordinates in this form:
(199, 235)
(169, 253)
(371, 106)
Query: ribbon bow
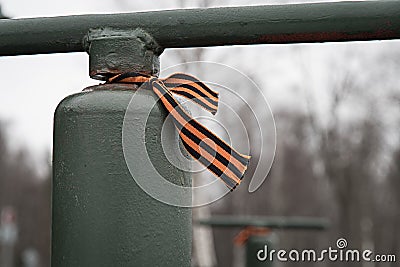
(203, 145)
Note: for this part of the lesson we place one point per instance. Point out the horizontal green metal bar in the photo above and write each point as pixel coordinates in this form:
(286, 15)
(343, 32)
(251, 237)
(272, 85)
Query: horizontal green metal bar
(306, 223)
(300, 23)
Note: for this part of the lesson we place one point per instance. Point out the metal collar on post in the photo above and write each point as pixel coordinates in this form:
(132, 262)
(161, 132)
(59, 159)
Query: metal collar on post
(113, 51)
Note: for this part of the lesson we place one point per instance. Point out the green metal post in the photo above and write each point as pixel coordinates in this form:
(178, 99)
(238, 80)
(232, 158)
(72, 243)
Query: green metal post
(101, 217)
(254, 245)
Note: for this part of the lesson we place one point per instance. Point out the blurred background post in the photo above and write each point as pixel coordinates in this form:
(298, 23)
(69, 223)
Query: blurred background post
(8, 236)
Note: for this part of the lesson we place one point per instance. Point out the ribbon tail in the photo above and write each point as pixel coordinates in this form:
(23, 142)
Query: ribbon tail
(220, 158)
(193, 89)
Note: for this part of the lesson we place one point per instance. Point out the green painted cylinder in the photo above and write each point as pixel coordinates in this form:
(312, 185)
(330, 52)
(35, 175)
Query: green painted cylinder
(258, 247)
(101, 217)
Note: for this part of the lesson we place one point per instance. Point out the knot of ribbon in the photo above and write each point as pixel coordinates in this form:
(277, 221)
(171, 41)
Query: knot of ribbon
(203, 145)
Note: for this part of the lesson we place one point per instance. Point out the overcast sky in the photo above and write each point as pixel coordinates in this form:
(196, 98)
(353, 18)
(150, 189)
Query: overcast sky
(32, 86)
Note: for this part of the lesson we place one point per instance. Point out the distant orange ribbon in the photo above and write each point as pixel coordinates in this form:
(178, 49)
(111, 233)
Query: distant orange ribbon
(203, 145)
(244, 235)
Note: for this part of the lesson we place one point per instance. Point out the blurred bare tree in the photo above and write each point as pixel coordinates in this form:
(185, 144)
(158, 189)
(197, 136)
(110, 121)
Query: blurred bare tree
(331, 165)
(29, 195)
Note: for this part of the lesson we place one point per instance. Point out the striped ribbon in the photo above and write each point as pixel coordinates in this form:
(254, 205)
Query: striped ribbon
(203, 145)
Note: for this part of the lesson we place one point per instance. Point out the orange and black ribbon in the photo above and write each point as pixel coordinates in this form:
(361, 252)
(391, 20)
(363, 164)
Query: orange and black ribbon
(243, 236)
(203, 145)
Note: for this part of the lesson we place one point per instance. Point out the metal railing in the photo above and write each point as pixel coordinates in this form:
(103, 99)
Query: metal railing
(299, 23)
(256, 241)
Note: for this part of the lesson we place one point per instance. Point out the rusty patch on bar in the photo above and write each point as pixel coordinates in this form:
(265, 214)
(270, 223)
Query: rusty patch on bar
(383, 34)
